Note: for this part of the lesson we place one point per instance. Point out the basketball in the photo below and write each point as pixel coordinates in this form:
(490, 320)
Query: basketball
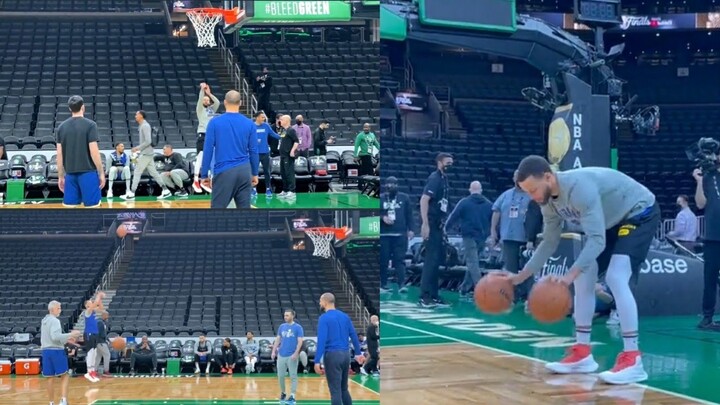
(118, 343)
(494, 294)
(121, 231)
(549, 301)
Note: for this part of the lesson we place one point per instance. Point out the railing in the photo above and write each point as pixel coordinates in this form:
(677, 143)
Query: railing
(239, 82)
(112, 267)
(669, 224)
(409, 76)
(356, 304)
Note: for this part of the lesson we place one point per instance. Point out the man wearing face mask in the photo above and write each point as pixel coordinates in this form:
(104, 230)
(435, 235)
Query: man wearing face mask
(365, 144)
(434, 206)
(304, 135)
(395, 230)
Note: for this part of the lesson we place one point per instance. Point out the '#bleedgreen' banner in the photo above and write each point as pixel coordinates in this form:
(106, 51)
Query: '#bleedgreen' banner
(290, 11)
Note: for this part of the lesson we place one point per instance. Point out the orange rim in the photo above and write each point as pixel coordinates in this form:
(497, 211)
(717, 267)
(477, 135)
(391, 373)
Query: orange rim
(230, 16)
(340, 233)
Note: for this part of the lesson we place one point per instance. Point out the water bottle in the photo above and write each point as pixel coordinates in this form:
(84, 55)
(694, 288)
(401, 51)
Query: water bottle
(163, 372)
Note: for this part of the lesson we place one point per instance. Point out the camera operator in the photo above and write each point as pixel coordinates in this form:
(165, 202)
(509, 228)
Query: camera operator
(707, 196)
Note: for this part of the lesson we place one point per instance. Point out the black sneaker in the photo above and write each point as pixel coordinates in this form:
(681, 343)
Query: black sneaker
(708, 324)
(440, 303)
(426, 303)
(384, 289)
(283, 397)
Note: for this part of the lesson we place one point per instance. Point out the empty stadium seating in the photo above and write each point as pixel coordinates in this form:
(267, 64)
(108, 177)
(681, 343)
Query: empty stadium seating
(366, 277)
(335, 80)
(35, 272)
(503, 128)
(223, 285)
(48, 222)
(71, 5)
(121, 68)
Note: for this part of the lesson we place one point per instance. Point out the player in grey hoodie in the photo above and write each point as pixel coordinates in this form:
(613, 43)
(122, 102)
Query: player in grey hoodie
(619, 218)
(54, 359)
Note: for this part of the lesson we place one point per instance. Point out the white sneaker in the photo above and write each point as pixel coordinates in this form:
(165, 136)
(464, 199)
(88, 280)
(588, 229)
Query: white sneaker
(196, 187)
(290, 194)
(362, 371)
(579, 360)
(165, 194)
(197, 370)
(614, 318)
(90, 378)
(206, 188)
(628, 369)
(128, 196)
(109, 194)
(283, 194)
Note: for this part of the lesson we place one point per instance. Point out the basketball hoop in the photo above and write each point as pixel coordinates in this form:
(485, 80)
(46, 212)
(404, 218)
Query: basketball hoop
(205, 19)
(322, 239)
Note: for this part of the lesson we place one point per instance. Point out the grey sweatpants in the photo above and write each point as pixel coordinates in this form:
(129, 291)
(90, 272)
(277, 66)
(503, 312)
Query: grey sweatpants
(233, 184)
(283, 365)
(102, 352)
(175, 177)
(146, 162)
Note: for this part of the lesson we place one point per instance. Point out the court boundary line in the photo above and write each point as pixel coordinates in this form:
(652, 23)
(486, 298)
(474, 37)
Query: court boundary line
(405, 337)
(367, 388)
(467, 342)
(418, 345)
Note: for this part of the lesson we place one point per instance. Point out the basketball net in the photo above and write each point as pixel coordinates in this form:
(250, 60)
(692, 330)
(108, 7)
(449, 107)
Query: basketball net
(322, 239)
(205, 19)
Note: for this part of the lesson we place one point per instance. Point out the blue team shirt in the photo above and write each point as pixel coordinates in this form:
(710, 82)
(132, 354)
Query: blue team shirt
(231, 140)
(263, 131)
(91, 326)
(289, 334)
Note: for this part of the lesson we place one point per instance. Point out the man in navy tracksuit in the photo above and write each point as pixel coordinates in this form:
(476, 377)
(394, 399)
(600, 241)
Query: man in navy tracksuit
(264, 131)
(231, 138)
(395, 230)
(473, 213)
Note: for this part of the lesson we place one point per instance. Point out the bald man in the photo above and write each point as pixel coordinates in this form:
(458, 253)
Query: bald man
(231, 138)
(289, 144)
(373, 342)
(305, 139)
(335, 329)
(472, 215)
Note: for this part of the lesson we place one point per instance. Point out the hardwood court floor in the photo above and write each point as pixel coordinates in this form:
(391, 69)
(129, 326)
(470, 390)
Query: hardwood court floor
(459, 356)
(225, 390)
(350, 200)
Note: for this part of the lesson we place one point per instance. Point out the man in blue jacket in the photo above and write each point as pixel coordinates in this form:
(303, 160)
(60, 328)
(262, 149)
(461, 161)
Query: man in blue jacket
(395, 230)
(473, 213)
(264, 131)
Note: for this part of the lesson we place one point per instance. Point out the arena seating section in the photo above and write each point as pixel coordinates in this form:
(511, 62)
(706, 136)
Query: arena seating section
(118, 68)
(33, 274)
(335, 80)
(71, 5)
(364, 276)
(503, 127)
(226, 286)
(42, 222)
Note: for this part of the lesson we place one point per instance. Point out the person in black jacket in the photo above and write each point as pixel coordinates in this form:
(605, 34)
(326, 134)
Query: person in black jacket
(473, 214)
(395, 230)
(229, 357)
(373, 342)
(320, 140)
(174, 171)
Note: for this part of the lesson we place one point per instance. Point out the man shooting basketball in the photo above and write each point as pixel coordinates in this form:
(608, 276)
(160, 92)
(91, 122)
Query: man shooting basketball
(207, 106)
(91, 335)
(619, 217)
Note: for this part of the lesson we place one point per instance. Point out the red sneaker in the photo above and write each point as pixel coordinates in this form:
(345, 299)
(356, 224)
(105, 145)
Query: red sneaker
(628, 369)
(223, 370)
(229, 371)
(196, 187)
(578, 360)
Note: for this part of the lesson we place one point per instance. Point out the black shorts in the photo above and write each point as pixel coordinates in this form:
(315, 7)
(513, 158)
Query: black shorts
(631, 237)
(91, 341)
(200, 144)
